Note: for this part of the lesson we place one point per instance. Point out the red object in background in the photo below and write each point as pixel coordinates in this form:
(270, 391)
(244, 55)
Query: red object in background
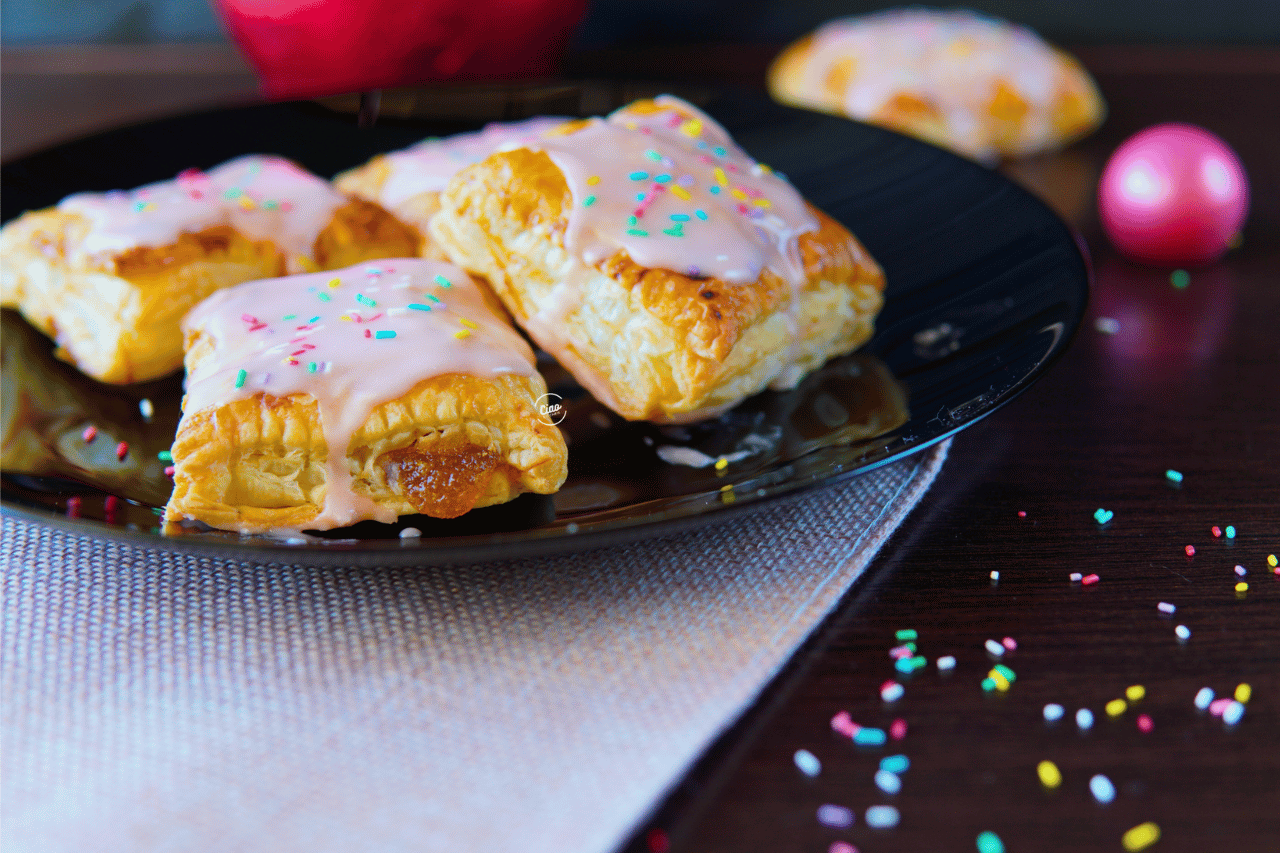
(1173, 195)
(307, 48)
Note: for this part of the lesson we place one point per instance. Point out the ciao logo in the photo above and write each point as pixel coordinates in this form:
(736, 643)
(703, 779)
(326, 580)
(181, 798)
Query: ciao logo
(551, 409)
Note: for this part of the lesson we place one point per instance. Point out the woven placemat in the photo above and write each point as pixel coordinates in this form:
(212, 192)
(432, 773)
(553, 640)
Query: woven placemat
(156, 701)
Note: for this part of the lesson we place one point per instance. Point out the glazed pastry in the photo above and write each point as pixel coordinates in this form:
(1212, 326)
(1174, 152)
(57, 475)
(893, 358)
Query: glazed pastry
(317, 401)
(409, 182)
(670, 273)
(109, 275)
(980, 86)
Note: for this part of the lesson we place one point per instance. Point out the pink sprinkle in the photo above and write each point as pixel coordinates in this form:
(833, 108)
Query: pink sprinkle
(844, 725)
(73, 507)
(89, 434)
(168, 470)
(1144, 723)
(1217, 706)
(901, 652)
(898, 729)
(1009, 643)
(110, 503)
(1191, 550)
(841, 847)
(1022, 513)
(1088, 580)
(368, 334)
(122, 450)
(1216, 531)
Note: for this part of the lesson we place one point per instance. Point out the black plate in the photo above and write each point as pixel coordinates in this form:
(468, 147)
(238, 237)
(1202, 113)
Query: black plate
(985, 288)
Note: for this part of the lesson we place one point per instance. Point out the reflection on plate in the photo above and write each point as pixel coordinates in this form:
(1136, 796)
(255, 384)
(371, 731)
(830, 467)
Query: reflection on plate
(985, 288)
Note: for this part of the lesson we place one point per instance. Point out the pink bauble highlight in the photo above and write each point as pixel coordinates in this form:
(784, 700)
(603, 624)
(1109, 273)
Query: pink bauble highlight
(1173, 195)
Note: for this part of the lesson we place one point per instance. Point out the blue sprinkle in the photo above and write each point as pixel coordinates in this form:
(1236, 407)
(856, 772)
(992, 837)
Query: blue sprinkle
(701, 214)
(715, 190)
(679, 217)
(895, 763)
(364, 300)
(314, 319)
(640, 196)
(638, 176)
(384, 334)
(443, 282)
(662, 179)
(870, 737)
(419, 307)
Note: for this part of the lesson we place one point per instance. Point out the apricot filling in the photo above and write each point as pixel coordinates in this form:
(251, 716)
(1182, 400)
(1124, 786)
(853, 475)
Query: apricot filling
(442, 484)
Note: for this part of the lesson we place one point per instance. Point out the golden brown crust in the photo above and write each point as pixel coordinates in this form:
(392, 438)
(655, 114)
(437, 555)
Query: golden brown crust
(712, 342)
(454, 442)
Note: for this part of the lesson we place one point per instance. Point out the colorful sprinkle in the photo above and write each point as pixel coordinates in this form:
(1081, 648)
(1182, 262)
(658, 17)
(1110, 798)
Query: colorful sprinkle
(461, 333)
(1204, 698)
(1182, 632)
(122, 450)
(470, 324)
(807, 762)
(1233, 713)
(1190, 550)
(73, 507)
(888, 782)
(335, 282)
(1107, 325)
(639, 176)
(882, 817)
(1140, 837)
(588, 201)
(701, 214)
(366, 301)
(895, 764)
(1102, 789)
(842, 724)
(168, 470)
(1173, 476)
(384, 334)
(1272, 561)
(1166, 607)
(681, 193)
(946, 662)
(867, 736)
(906, 635)
(1116, 707)
(1243, 693)
(1090, 580)
(891, 691)
(1135, 692)
(593, 180)
(1231, 531)
(241, 375)
(898, 729)
(311, 367)
(1050, 775)
(995, 576)
(835, 816)
(1144, 723)
(418, 306)
(1009, 643)
(1243, 586)
(1075, 577)
(1180, 278)
(989, 842)
(1102, 516)
(1084, 719)
(841, 847)
(442, 281)
(994, 648)
(147, 408)
(637, 232)
(89, 434)
(1053, 712)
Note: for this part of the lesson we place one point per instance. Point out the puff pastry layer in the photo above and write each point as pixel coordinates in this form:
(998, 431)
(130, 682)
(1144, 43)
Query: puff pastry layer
(109, 276)
(387, 390)
(978, 85)
(753, 288)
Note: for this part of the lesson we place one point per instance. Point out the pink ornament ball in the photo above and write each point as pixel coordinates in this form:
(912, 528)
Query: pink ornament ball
(1173, 195)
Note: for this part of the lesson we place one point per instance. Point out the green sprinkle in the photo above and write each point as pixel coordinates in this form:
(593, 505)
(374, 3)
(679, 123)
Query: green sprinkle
(918, 662)
(289, 317)
(1180, 278)
(164, 456)
(910, 646)
(417, 306)
(631, 220)
(234, 192)
(384, 334)
(311, 367)
(241, 377)
(433, 298)
(701, 214)
(1173, 476)
(638, 176)
(637, 232)
(988, 684)
(906, 634)
(679, 217)
(676, 230)
(157, 510)
(324, 297)
(364, 300)
(653, 155)
(989, 842)
(1006, 672)
(442, 281)
(1231, 531)
(588, 201)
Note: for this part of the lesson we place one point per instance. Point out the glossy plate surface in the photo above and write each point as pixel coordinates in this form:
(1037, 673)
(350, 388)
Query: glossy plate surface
(985, 288)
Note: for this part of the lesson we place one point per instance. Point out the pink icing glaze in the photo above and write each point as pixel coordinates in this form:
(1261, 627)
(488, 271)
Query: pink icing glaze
(677, 193)
(428, 166)
(305, 334)
(264, 197)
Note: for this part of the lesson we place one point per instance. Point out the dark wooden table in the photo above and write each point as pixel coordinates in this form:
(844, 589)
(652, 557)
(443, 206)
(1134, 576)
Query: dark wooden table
(1191, 382)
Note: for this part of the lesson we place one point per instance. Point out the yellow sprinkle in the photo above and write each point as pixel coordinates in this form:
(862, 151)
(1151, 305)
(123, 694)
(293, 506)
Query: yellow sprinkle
(762, 202)
(1242, 587)
(461, 333)
(727, 487)
(246, 202)
(1050, 775)
(768, 170)
(1271, 561)
(593, 180)
(1243, 693)
(631, 125)
(1141, 837)
(722, 463)
(692, 127)
(345, 317)
(334, 282)
(470, 325)
(1002, 683)
(738, 194)
(1135, 692)
(721, 177)
(1116, 707)
(681, 193)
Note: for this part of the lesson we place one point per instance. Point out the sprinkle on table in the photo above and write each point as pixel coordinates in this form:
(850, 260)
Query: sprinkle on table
(165, 456)
(1166, 607)
(1140, 837)
(1102, 516)
(1050, 775)
(1173, 476)
(1116, 707)
(882, 817)
(1102, 789)
(1204, 698)
(835, 816)
(1084, 718)
(1135, 692)
(807, 762)
(1244, 692)
(989, 842)
(1182, 632)
(1053, 712)
(898, 764)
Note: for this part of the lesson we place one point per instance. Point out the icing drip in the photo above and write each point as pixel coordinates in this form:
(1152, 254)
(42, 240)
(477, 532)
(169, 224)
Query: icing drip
(428, 166)
(352, 339)
(265, 198)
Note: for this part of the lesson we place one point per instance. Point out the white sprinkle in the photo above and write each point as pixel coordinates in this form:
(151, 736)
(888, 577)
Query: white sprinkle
(995, 576)
(947, 662)
(837, 816)
(994, 648)
(571, 527)
(1183, 632)
(1076, 577)
(891, 691)
(888, 782)
(882, 817)
(148, 410)
(1166, 607)
(1233, 713)
(1204, 697)
(808, 762)
(1107, 325)
(1084, 718)
(410, 533)
(1053, 712)
(1102, 789)
(1241, 571)
(295, 540)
